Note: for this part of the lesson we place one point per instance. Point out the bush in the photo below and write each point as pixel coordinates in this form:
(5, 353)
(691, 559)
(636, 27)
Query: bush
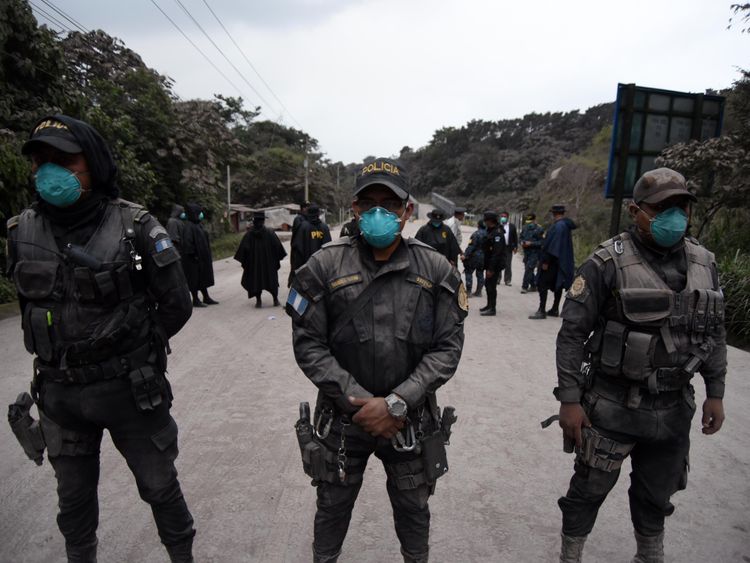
(226, 245)
(734, 274)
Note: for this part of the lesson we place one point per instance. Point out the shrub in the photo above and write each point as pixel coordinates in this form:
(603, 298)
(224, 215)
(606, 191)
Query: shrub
(734, 274)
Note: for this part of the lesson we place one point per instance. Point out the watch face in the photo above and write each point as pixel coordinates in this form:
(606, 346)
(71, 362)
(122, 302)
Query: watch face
(397, 407)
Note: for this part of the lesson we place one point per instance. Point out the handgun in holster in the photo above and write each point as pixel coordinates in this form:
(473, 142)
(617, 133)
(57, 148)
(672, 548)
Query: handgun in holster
(313, 460)
(28, 431)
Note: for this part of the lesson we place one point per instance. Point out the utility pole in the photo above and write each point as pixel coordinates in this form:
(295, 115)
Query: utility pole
(229, 196)
(307, 180)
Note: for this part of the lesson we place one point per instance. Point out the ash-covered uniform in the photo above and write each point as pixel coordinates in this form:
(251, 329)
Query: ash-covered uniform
(98, 328)
(656, 318)
(406, 338)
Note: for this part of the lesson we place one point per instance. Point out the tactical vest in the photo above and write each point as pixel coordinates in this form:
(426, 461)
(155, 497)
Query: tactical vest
(656, 337)
(84, 304)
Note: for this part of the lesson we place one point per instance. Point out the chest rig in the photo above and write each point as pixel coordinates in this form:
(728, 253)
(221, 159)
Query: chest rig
(656, 337)
(84, 303)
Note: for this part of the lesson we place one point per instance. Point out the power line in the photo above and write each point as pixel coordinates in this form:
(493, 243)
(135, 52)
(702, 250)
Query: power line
(184, 9)
(251, 64)
(66, 16)
(196, 47)
(49, 17)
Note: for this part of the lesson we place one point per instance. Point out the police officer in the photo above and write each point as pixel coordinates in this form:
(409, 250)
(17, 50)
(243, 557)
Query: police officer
(651, 297)
(532, 236)
(439, 236)
(101, 290)
(474, 259)
(377, 327)
(494, 261)
(311, 235)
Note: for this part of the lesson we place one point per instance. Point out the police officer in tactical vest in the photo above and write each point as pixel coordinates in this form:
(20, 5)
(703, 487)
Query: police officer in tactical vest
(643, 315)
(377, 327)
(101, 290)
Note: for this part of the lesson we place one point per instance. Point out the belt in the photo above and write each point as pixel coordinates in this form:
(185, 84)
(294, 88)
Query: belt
(620, 390)
(112, 368)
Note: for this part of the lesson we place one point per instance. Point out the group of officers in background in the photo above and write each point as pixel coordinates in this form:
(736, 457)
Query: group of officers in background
(548, 257)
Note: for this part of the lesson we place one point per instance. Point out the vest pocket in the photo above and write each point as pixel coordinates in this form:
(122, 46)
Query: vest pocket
(37, 323)
(644, 305)
(35, 279)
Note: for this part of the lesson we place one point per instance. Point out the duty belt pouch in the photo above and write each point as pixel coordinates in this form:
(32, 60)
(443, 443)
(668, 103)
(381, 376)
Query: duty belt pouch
(106, 286)
(613, 342)
(636, 363)
(434, 457)
(313, 459)
(145, 382)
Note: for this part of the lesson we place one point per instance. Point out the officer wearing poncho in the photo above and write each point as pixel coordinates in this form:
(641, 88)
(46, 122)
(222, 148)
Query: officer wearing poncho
(260, 254)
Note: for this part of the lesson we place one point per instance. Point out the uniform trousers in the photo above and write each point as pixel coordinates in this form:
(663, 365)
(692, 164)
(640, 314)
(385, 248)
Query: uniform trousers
(147, 440)
(660, 430)
(411, 513)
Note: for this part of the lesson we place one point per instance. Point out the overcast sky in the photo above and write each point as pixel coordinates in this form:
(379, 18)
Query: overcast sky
(366, 77)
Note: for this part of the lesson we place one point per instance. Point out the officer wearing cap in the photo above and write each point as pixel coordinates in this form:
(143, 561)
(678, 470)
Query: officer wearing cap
(439, 236)
(643, 315)
(378, 328)
(101, 290)
(494, 261)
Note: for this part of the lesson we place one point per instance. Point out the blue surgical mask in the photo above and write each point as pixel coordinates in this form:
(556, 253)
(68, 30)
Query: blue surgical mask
(57, 185)
(436, 224)
(668, 227)
(503, 220)
(183, 215)
(379, 227)
(201, 216)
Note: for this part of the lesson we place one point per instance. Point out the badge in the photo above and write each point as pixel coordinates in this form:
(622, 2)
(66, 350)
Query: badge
(445, 234)
(463, 298)
(578, 287)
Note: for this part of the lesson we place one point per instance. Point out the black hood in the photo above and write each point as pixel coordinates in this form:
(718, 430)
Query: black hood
(193, 210)
(177, 210)
(98, 156)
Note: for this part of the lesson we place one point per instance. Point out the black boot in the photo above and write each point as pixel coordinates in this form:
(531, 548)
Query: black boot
(478, 292)
(197, 303)
(410, 558)
(317, 558)
(540, 314)
(207, 299)
(258, 303)
(553, 312)
(82, 553)
(490, 312)
(181, 552)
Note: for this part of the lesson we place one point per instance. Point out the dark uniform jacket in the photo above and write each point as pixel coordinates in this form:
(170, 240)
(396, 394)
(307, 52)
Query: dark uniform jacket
(406, 337)
(311, 235)
(494, 250)
(441, 239)
(643, 326)
(533, 234)
(474, 252)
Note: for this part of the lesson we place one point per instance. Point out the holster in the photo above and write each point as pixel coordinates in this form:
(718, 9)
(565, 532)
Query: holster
(27, 431)
(600, 452)
(147, 388)
(313, 453)
(434, 456)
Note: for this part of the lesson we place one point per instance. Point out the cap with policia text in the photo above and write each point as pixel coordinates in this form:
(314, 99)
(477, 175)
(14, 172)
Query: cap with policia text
(659, 184)
(53, 133)
(557, 208)
(383, 171)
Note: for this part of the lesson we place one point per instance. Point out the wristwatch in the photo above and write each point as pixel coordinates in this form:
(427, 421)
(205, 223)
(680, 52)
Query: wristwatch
(397, 407)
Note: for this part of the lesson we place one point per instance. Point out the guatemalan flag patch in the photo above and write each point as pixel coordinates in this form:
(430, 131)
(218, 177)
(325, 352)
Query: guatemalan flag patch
(297, 302)
(163, 244)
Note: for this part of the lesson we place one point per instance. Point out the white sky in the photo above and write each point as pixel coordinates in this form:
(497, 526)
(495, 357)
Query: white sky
(366, 77)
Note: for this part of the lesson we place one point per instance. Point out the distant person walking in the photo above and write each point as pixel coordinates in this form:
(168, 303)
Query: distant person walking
(494, 261)
(511, 246)
(350, 229)
(474, 259)
(532, 237)
(260, 254)
(557, 262)
(196, 256)
(439, 236)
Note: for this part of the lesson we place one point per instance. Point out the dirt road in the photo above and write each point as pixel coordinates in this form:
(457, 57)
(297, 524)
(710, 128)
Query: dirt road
(237, 388)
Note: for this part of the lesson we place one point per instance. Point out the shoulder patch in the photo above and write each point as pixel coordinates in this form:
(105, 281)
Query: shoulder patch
(297, 302)
(463, 298)
(579, 290)
(163, 244)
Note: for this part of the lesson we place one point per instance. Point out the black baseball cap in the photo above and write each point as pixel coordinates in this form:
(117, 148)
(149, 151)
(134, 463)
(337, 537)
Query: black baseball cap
(557, 208)
(490, 215)
(383, 171)
(659, 184)
(53, 133)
